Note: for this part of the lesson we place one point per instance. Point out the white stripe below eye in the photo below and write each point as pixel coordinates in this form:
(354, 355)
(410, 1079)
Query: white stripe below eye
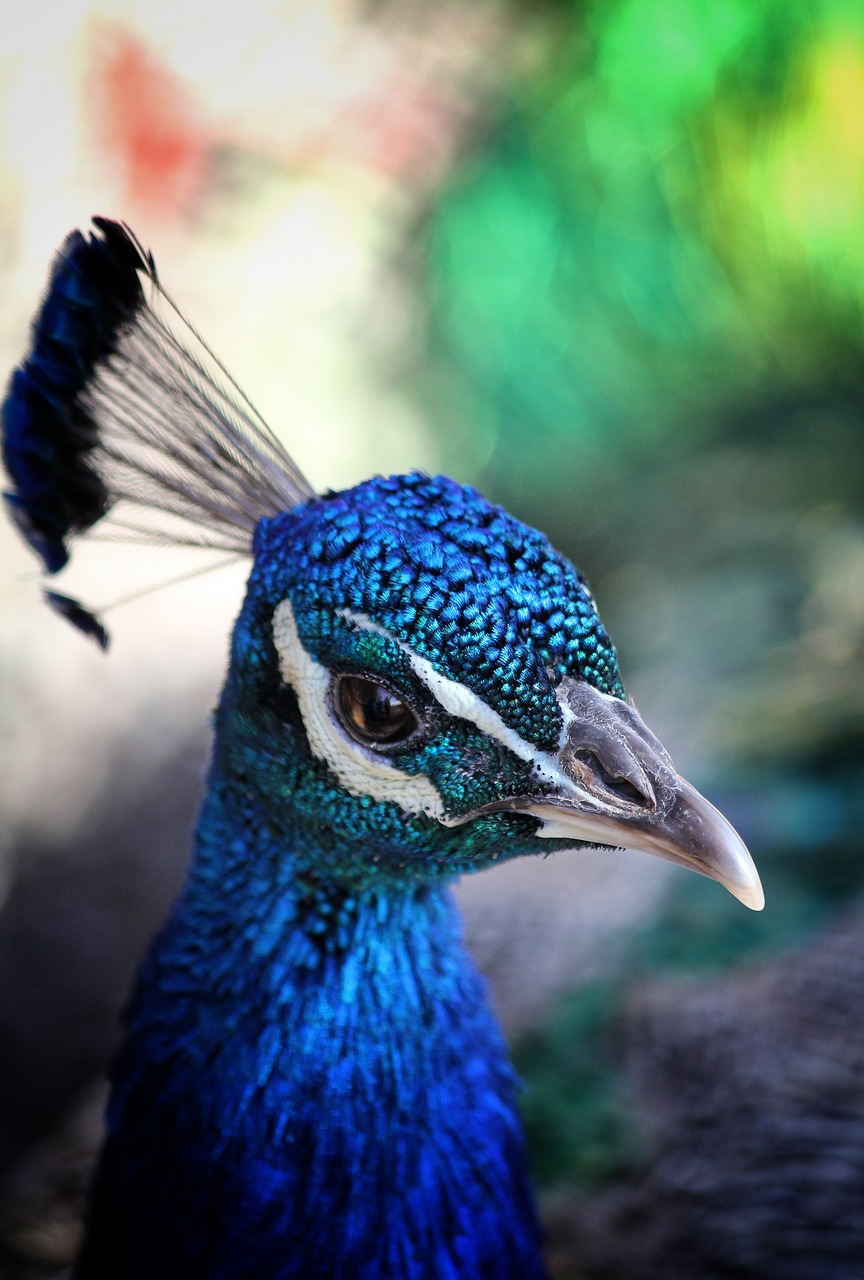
(359, 771)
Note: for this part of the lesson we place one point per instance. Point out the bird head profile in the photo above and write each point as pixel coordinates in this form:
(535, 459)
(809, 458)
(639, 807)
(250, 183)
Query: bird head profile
(454, 693)
(419, 687)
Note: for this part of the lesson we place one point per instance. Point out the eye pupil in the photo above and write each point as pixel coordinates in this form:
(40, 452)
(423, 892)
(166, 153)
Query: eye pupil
(371, 713)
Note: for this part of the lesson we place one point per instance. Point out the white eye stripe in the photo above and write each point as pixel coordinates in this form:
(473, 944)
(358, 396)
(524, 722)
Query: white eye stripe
(458, 700)
(362, 772)
(359, 771)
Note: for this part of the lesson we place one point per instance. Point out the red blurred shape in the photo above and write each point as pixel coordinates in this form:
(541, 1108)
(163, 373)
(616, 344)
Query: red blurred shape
(148, 121)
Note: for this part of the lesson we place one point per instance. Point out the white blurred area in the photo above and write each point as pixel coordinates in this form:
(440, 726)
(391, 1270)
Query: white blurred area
(274, 161)
(276, 158)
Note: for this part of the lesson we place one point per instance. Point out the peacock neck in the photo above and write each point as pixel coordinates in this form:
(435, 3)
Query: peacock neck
(320, 1068)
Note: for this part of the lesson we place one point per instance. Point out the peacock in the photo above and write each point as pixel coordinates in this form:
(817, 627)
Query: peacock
(311, 1082)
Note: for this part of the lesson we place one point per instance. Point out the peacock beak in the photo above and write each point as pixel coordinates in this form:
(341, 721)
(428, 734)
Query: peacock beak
(613, 783)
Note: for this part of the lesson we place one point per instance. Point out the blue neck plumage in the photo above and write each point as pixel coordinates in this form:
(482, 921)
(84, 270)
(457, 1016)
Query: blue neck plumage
(319, 1066)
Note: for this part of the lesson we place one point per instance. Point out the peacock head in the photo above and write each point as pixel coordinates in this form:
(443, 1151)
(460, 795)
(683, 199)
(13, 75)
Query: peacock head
(419, 684)
(437, 693)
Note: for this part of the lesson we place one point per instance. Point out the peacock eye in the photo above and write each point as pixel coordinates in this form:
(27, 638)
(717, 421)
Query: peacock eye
(371, 713)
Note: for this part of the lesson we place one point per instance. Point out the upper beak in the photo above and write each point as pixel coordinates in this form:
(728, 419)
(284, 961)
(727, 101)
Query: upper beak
(613, 783)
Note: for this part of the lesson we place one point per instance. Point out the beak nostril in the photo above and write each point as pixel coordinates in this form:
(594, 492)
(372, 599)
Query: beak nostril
(623, 788)
(626, 790)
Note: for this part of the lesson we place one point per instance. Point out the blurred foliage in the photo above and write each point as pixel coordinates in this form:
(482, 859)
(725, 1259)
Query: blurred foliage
(646, 322)
(572, 1105)
(646, 327)
(582, 1127)
(666, 218)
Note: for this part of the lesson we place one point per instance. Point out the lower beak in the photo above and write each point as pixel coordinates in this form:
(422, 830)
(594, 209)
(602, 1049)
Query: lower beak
(612, 783)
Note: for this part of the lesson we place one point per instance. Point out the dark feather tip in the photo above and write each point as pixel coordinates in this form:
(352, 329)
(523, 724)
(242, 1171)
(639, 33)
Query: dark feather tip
(82, 618)
(93, 295)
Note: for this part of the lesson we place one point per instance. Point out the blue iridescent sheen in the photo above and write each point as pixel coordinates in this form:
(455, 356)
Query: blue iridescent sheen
(312, 1084)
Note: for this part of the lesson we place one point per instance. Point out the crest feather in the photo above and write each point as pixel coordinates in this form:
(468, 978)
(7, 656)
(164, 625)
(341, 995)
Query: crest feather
(120, 409)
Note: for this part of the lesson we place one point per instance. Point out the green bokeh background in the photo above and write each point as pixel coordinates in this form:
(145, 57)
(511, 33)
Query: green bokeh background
(645, 335)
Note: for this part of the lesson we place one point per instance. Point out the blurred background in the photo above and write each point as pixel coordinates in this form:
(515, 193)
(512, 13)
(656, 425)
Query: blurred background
(603, 259)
